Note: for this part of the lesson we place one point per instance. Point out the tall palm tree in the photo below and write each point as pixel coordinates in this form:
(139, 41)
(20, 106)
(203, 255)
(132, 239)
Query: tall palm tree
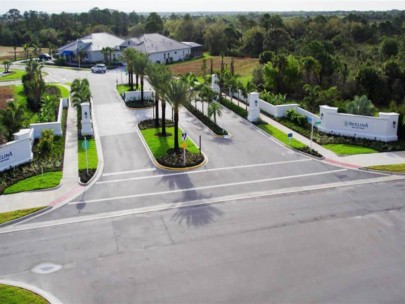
(206, 94)
(159, 77)
(128, 56)
(26, 48)
(12, 118)
(80, 91)
(33, 84)
(214, 109)
(177, 93)
(140, 64)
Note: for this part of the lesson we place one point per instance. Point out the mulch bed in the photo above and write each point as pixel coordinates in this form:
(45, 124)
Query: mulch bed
(176, 160)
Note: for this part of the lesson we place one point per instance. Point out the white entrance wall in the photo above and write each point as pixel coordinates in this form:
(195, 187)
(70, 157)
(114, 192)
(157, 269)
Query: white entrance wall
(17, 152)
(384, 127)
(136, 95)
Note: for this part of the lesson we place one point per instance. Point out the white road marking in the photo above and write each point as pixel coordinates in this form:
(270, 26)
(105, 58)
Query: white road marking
(129, 172)
(223, 199)
(207, 187)
(192, 172)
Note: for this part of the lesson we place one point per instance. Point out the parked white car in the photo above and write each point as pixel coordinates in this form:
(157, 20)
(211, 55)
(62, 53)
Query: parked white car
(99, 68)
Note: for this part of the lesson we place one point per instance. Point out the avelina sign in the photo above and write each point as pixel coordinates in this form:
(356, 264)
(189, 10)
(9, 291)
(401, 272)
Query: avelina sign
(356, 125)
(5, 157)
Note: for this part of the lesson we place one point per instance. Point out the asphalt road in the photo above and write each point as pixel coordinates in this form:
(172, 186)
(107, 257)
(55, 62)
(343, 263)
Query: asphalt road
(342, 245)
(258, 224)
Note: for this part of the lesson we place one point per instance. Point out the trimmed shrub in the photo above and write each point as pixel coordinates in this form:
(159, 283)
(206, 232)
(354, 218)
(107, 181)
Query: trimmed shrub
(206, 120)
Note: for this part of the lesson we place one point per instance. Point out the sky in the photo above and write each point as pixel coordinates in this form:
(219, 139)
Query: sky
(57, 6)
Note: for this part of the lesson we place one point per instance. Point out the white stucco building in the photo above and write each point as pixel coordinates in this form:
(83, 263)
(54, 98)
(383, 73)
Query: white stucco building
(160, 49)
(91, 47)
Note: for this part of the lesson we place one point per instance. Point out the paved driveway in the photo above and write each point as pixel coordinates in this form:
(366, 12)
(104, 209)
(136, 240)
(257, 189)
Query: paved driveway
(249, 163)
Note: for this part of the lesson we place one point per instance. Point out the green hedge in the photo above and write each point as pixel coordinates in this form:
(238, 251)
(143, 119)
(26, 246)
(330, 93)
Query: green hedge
(206, 120)
(233, 107)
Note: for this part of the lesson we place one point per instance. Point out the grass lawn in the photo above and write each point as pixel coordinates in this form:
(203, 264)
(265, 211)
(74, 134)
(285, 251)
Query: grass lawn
(12, 215)
(16, 295)
(45, 181)
(346, 149)
(91, 154)
(63, 90)
(390, 168)
(160, 145)
(281, 136)
(121, 88)
(14, 75)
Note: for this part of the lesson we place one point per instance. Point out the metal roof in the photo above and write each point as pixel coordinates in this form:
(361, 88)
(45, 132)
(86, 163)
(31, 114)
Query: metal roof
(154, 43)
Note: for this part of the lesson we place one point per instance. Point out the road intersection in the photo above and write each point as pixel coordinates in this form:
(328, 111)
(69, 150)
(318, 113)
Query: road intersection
(258, 223)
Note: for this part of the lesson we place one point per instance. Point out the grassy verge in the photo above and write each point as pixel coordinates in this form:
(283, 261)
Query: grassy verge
(91, 154)
(397, 168)
(12, 215)
(121, 88)
(160, 145)
(63, 90)
(347, 149)
(281, 136)
(38, 182)
(16, 295)
(13, 75)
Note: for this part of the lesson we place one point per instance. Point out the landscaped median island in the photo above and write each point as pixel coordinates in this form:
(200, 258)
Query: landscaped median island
(17, 295)
(87, 149)
(87, 168)
(11, 75)
(162, 146)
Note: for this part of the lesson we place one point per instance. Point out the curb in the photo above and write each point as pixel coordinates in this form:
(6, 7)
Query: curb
(47, 296)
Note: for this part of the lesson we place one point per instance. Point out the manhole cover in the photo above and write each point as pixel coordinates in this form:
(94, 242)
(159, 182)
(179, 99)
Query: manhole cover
(46, 268)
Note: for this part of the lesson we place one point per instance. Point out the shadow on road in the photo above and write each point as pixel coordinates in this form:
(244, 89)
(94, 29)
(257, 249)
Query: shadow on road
(196, 216)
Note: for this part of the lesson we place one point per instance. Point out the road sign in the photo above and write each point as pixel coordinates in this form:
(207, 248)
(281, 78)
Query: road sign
(290, 135)
(318, 123)
(184, 136)
(184, 144)
(85, 145)
(309, 119)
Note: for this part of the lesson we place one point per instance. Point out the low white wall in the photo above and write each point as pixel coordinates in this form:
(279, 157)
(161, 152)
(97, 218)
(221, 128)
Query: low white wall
(136, 95)
(18, 151)
(384, 127)
(56, 126)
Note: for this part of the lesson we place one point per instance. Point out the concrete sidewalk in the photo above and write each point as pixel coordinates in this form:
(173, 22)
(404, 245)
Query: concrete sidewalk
(69, 186)
(352, 161)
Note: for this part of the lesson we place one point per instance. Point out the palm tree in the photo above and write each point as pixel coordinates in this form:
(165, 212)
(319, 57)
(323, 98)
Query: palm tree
(246, 89)
(33, 84)
(80, 91)
(159, 77)
(128, 56)
(140, 64)
(12, 118)
(177, 93)
(26, 48)
(206, 95)
(360, 106)
(214, 109)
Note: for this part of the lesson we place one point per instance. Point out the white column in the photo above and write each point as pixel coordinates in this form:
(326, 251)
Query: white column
(254, 108)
